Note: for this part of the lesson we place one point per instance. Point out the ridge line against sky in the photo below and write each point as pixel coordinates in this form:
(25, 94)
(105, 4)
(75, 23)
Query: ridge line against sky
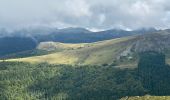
(91, 14)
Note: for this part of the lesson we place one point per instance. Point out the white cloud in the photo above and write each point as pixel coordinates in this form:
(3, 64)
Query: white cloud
(77, 8)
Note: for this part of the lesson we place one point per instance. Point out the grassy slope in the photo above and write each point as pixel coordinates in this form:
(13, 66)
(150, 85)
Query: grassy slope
(92, 53)
(147, 98)
(49, 46)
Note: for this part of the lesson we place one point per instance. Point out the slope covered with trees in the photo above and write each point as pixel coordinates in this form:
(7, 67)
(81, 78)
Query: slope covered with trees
(45, 81)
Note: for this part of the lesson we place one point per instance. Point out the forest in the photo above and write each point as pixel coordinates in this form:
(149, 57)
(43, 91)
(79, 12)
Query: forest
(43, 81)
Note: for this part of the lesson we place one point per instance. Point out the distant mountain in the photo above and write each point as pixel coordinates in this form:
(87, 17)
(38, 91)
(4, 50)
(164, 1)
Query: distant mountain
(26, 39)
(80, 35)
(72, 35)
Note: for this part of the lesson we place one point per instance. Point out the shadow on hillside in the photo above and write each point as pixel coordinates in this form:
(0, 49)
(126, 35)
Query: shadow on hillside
(108, 83)
(154, 73)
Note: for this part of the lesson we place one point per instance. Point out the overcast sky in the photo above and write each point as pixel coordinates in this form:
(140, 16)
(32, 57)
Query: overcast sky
(92, 14)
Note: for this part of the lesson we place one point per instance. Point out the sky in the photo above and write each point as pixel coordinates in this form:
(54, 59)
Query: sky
(91, 14)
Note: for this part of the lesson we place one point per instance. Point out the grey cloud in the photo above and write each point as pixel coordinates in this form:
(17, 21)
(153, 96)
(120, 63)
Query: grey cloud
(94, 14)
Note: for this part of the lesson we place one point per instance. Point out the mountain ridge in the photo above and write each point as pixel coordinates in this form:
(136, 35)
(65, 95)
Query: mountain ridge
(123, 51)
